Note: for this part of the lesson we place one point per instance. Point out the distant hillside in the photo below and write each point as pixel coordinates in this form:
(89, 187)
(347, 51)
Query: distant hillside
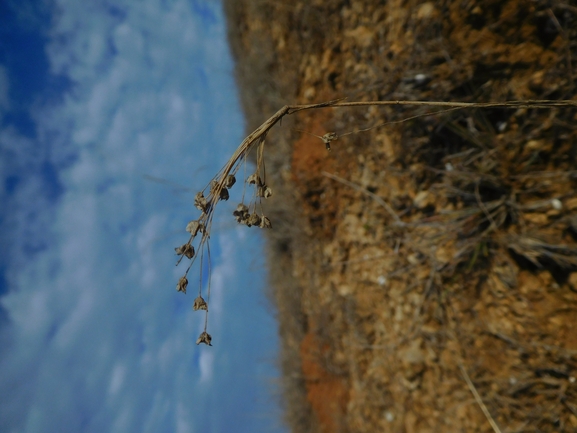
(424, 271)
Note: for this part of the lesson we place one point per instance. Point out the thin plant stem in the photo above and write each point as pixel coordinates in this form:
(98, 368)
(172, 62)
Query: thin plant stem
(378, 199)
(479, 400)
(208, 284)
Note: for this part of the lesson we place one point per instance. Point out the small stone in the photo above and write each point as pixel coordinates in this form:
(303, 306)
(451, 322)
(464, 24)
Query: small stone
(310, 93)
(426, 11)
(422, 200)
(421, 79)
(413, 259)
(572, 280)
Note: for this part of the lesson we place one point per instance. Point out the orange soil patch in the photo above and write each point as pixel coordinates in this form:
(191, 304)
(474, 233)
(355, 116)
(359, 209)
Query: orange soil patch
(326, 392)
(310, 157)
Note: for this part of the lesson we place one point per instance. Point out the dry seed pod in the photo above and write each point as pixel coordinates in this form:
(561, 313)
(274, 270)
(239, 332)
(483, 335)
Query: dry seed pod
(243, 219)
(200, 201)
(241, 213)
(181, 286)
(200, 304)
(230, 181)
(263, 191)
(240, 209)
(204, 338)
(185, 250)
(254, 179)
(223, 194)
(328, 137)
(253, 220)
(265, 223)
(194, 227)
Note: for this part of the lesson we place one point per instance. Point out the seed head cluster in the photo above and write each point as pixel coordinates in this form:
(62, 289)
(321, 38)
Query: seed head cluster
(250, 215)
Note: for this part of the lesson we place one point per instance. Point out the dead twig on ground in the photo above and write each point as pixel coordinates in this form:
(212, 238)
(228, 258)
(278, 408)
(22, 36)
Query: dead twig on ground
(356, 187)
(478, 399)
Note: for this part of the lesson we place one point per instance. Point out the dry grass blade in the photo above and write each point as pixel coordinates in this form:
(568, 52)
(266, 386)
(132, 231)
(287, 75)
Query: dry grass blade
(535, 250)
(506, 104)
(378, 199)
(479, 400)
(260, 133)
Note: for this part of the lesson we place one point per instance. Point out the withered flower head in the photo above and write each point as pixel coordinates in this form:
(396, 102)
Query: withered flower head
(254, 179)
(240, 209)
(200, 201)
(264, 191)
(181, 286)
(200, 304)
(328, 137)
(223, 194)
(186, 250)
(265, 223)
(230, 181)
(204, 338)
(253, 220)
(194, 227)
(241, 213)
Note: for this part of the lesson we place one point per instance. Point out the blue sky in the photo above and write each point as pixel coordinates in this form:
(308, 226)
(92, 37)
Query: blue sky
(96, 99)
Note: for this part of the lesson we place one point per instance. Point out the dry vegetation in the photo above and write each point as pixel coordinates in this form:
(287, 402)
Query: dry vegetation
(424, 272)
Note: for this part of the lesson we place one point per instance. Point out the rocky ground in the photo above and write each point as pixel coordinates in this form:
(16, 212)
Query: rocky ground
(424, 271)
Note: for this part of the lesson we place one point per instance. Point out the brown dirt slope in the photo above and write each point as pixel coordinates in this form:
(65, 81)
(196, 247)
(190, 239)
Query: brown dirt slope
(417, 263)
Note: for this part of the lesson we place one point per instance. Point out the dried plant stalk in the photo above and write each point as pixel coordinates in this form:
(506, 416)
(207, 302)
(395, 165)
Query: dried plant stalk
(219, 185)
